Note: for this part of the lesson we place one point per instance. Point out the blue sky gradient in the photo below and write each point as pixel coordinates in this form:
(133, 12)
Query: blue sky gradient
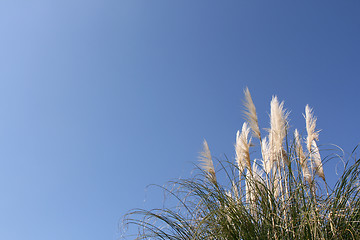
(98, 99)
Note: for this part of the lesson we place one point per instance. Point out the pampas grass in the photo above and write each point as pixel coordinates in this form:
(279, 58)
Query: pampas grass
(266, 160)
(302, 158)
(310, 127)
(206, 162)
(242, 146)
(278, 127)
(250, 114)
(316, 158)
(280, 198)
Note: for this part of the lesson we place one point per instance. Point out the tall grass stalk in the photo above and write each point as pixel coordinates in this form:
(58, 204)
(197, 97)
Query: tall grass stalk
(275, 197)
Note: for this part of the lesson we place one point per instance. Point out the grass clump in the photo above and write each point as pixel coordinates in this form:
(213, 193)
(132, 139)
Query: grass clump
(281, 195)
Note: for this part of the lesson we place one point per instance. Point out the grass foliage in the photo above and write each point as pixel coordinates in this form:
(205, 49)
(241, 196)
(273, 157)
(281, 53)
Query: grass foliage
(282, 195)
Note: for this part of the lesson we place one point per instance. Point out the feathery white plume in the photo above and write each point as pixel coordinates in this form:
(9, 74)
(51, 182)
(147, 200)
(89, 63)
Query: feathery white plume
(266, 160)
(250, 114)
(238, 153)
(302, 157)
(278, 127)
(206, 161)
(310, 127)
(315, 156)
(242, 146)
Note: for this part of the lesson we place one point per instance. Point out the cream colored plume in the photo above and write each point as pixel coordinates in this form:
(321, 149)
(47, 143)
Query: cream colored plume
(302, 158)
(278, 127)
(315, 156)
(266, 160)
(206, 161)
(310, 127)
(250, 113)
(242, 146)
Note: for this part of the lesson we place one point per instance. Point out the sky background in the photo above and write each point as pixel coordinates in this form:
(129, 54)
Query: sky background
(100, 98)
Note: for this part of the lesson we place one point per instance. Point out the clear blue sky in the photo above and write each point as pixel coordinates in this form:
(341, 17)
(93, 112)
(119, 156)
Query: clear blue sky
(100, 98)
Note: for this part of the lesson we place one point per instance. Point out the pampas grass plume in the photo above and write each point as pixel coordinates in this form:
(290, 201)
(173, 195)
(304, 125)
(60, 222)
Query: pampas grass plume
(302, 158)
(250, 114)
(315, 156)
(278, 126)
(266, 160)
(206, 162)
(310, 127)
(242, 146)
